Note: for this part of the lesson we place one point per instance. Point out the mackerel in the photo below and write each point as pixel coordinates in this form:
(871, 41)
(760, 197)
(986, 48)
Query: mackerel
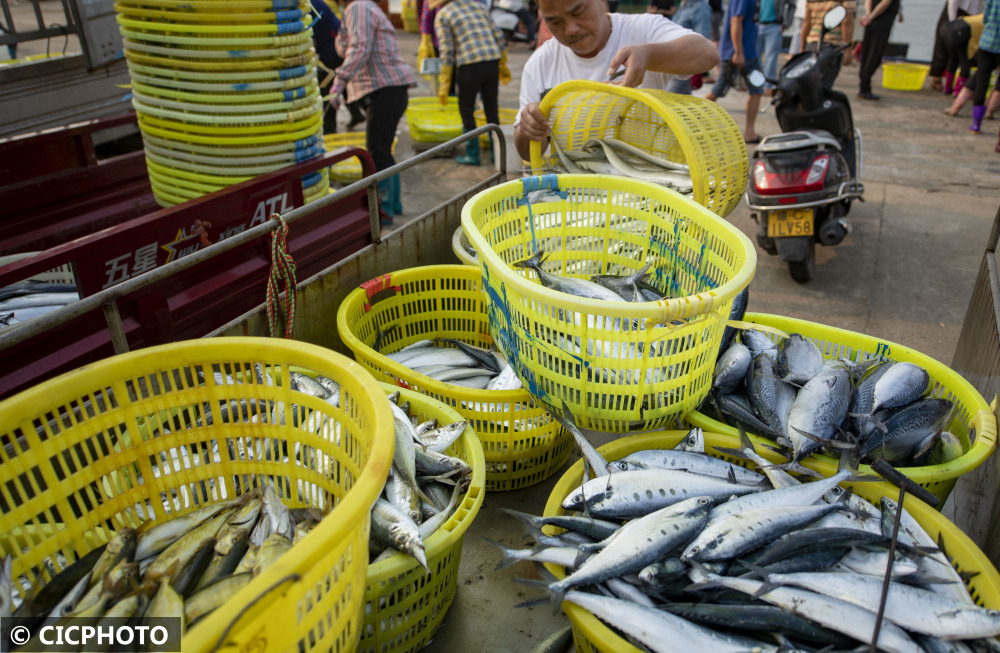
(907, 428)
(819, 409)
(696, 463)
(733, 535)
(875, 562)
(569, 285)
(731, 368)
(901, 384)
(439, 439)
(834, 614)
(694, 441)
(758, 343)
(771, 396)
(798, 359)
(802, 494)
(391, 527)
(913, 608)
(564, 556)
(596, 529)
(631, 494)
(662, 632)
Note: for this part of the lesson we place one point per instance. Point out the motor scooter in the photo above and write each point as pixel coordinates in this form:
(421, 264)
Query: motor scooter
(506, 15)
(803, 180)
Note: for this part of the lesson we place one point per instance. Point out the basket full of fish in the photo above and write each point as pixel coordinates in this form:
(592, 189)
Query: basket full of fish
(681, 142)
(417, 540)
(426, 329)
(607, 293)
(821, 393)
(673, 545)
(204, 480)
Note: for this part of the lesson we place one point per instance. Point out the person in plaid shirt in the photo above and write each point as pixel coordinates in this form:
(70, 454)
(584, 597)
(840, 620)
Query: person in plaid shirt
(374, 73)
(470, 42)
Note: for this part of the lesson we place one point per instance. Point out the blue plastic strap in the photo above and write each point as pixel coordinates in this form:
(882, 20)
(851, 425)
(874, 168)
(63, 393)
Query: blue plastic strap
(279, 5)
(288, 73)
(311, 179)
(294, 94)
(308, 153)
(294, 27)
(306, 142)
(287, 15)
(530, 185)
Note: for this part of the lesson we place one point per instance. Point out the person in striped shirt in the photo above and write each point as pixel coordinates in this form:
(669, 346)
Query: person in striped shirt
(375, 74)
(474, 51)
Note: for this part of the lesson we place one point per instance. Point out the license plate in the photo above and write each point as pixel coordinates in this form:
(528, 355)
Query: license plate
(795, 222)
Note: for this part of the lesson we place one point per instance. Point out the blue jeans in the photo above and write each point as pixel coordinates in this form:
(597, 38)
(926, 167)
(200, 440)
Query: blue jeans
(696, 15)
(769, 45)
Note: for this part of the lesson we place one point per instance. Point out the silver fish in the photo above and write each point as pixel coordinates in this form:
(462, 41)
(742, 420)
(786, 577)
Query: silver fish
(391, 527)
(441, 438)
(662, 632)
(731, 368)
(758, 343)
(913, 608)
(697, 463)
(798, 359)
(819, 408)
(906, 429)
(834, 614)
(694, 441)
(902, 384)
(771, 396)
(629, 494)
(569, 285)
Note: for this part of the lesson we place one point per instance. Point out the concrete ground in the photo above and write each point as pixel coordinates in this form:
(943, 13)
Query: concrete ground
(905, 274)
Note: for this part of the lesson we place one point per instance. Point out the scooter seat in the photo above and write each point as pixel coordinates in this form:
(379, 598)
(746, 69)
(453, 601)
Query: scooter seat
(797, 140)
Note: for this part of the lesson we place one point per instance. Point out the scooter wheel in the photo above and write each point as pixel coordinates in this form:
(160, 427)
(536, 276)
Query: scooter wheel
(804, 270)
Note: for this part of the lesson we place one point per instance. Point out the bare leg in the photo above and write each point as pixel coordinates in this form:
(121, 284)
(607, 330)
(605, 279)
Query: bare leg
(753, 105)
(992, 103)
(963, 97)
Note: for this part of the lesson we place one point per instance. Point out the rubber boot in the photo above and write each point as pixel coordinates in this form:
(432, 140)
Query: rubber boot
(397, 203)
(959, 85)
(471, 156)
(949, 83)
(978, 111)
(385, 199)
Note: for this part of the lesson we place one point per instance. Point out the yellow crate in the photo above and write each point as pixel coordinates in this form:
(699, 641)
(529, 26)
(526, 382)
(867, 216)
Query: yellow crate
(458, 244)
(972, 416)
(83, 438)
(680, 128)
(903, 76)
(608, 225)
(506, 118)
(348, 171)
(523, 445)
(403, 605)
(592, 636)
(429, 122)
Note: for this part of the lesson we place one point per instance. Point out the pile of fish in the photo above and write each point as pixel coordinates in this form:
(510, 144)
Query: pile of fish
(452, 361)
(610, 156)
(22, 301)
(677, 550)
(183, 567)
(876, 409)
(423, 488)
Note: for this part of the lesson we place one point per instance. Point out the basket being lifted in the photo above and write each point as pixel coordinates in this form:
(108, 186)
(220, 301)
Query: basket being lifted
(620, 366)
(679, 128)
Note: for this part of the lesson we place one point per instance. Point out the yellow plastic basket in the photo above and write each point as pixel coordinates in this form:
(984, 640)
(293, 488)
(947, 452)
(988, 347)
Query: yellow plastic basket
(522, 444)
(573, 349)
(429, 122)
(592, 636)
(972, 418)
(79, 442)
(458, 244)
(404, 605)
(902, 76)
(348, 171)
(679, 128)
(506, 118)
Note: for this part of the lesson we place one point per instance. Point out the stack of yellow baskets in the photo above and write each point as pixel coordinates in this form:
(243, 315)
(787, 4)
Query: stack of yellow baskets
(224, 91)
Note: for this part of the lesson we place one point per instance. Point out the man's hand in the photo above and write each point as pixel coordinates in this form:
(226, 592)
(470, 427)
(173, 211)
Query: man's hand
(335, 95)
(635, 58)
(848, 57)
(533, 125)
(866, 20)
(738, 60)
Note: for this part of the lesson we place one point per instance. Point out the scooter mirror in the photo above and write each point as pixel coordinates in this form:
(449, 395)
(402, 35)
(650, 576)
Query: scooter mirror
(756, 78)
(834, 17)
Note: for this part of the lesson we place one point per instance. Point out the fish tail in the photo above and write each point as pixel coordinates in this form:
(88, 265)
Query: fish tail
(533, 262)
(870, 418)
(507, 555)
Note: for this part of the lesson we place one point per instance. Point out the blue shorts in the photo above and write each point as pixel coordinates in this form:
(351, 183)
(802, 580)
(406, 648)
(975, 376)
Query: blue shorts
(730, 76)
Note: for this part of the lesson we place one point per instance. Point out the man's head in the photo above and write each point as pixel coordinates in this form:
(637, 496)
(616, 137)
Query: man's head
(581, 25)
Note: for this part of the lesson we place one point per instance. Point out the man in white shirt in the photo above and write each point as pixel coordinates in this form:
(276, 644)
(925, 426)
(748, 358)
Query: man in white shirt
(592, 44)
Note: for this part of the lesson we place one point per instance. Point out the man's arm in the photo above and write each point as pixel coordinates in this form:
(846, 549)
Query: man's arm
(806, 25)
(736, 34)
(686, 55)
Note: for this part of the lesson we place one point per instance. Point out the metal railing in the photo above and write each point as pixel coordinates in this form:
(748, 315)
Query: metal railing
(107, 300)
(14, 32)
